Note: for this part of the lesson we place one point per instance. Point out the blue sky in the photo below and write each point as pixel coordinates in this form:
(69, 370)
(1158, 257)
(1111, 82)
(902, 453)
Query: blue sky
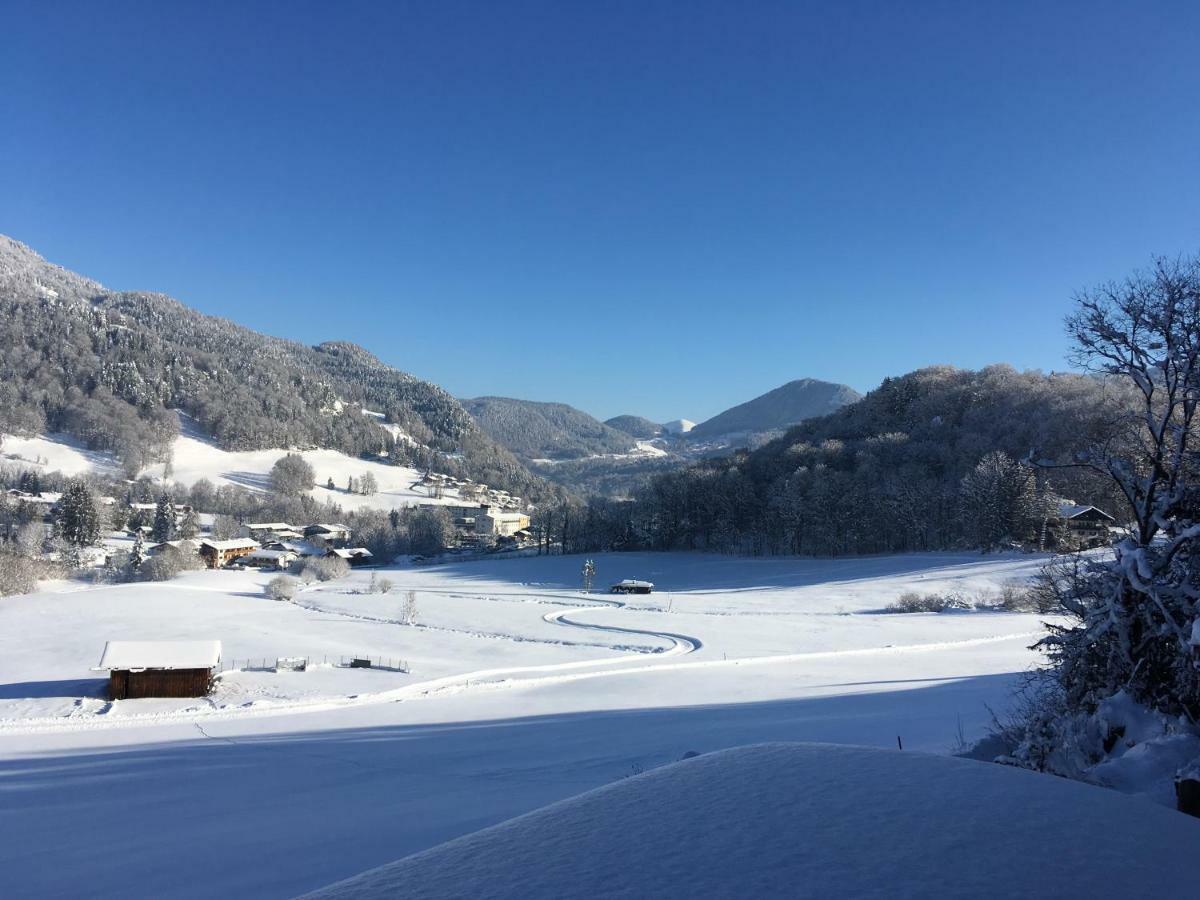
(654, 208)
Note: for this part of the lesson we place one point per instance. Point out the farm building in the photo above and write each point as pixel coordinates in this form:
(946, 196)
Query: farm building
(159, 668)
(266, 558)
(220, 553)
(1083, 526)
(632, 586)
(262, 531)
(330, 535)
(356, 556)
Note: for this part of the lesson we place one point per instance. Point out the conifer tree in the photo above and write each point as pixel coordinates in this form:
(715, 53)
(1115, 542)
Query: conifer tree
(164, 520)
(78, 521)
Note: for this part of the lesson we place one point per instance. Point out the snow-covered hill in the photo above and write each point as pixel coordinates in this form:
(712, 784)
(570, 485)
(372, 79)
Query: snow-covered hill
(194, 456)
(813, 820)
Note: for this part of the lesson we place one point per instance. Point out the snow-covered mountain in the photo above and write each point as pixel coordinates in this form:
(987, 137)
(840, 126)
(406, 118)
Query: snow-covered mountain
(112, 368)
(775, 411)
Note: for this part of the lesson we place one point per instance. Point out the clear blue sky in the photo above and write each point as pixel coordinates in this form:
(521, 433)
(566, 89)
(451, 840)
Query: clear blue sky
(653, 208)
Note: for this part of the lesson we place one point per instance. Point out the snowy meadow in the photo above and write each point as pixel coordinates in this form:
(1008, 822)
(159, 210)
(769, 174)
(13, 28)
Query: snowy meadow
(502, 688)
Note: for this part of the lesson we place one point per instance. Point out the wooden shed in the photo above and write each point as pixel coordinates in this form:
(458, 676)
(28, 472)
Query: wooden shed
(159, 668)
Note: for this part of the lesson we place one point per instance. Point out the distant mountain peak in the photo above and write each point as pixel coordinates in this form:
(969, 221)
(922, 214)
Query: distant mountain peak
(778, 409)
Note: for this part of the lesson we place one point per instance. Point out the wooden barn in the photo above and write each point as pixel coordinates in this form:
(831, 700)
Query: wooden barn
(159, 668)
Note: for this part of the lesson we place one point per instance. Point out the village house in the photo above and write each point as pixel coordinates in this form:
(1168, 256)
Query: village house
(262, 531)
(159, 668)
(355, 556)
(183, 546)
(220, 553)
(1085, 526)
(302, 549)
(269, 558)
(328, 535)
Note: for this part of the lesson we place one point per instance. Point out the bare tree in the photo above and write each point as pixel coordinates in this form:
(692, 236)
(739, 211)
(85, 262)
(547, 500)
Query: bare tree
(1137, 614)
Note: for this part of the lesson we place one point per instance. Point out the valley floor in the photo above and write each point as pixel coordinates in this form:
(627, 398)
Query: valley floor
(515, 691)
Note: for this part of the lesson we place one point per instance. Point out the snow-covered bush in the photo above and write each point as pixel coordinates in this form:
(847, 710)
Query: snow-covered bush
(912, 602)
(378, 585)
(169, 562)
(327, 568)
(282, 587)
(18, 574)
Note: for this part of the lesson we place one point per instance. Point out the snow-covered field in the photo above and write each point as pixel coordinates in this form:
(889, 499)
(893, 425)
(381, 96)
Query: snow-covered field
(812, 820)
(518, 691)
(195, 456)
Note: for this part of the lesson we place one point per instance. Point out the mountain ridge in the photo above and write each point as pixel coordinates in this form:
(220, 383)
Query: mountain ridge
(111, 367)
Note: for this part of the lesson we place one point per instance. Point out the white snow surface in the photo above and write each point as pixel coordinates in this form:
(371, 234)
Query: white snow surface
(813, 820)
(510, 690)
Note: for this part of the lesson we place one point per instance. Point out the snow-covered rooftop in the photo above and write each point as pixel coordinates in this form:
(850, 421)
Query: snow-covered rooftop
(1071, 510)
(352, 552)
(160, 655)
(271, 554)
(232, 544)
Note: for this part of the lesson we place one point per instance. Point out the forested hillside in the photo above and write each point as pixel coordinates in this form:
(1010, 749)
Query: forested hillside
(110, 367)
(635, 426)
(556, 431)
(926, 461)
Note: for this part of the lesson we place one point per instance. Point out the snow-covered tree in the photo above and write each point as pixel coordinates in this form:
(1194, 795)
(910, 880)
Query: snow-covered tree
(164, 527)
(189, 525)
(1137, 625)
(225, 527)
(137, 555)
(291, 475)
(1000, 502)
(78, 521)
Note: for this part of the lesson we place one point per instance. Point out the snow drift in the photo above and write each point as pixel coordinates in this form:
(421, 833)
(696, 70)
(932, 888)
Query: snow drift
(813, 820)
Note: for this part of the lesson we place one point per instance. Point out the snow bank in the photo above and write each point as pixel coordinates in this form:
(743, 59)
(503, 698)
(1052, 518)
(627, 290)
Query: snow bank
(813, 820)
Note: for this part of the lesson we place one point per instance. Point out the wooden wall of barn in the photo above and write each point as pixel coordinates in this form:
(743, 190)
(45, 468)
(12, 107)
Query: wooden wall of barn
(126, 685)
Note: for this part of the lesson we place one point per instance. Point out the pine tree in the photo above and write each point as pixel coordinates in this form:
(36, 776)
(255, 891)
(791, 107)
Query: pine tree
(78, 521)
(189, 527)
(138, 554)
(164, 520)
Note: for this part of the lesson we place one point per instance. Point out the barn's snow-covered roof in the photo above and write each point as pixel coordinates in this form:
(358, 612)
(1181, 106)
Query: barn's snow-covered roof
(160, 655)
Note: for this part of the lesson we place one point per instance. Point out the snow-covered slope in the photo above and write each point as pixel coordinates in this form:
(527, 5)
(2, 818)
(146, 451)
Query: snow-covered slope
(195, 456)
(679, 426)
(812, 820)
